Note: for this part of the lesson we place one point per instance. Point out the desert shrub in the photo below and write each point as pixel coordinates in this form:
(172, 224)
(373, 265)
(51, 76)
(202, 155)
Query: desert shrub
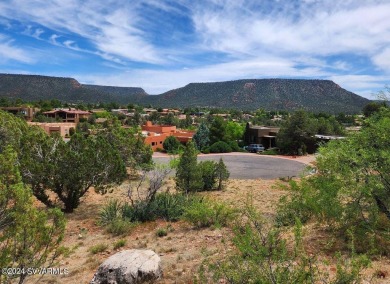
(98, 248)
(161, 232)
(261, 255)
(170, 207)
(110, 211)
(113, 219)
(119, 226)
(203, 212)
(140, 211)
(120, 243)
(298, 205)
(234, 146)
(351, 190)
(220, 147)
(166, 206)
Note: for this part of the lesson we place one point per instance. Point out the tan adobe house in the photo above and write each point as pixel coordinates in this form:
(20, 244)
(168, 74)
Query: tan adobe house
(266, 135)
(155, 135)
(62, 128)
(27, 112)
(68, 114)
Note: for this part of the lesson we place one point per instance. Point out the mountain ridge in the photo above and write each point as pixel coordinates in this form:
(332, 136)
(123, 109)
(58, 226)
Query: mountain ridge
(248, 94)
(271, 94)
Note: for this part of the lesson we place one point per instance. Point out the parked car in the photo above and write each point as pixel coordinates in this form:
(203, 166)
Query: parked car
(255, 148)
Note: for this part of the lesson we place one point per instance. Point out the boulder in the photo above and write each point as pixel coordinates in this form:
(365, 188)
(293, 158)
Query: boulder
(129, 267)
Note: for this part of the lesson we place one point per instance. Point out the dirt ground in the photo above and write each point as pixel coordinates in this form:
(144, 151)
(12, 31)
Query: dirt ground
(184, 248)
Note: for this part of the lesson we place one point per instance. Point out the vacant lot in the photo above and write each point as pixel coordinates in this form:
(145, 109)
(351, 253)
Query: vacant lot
(184, 248)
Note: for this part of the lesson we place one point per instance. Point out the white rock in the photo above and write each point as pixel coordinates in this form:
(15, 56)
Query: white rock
(129, 267)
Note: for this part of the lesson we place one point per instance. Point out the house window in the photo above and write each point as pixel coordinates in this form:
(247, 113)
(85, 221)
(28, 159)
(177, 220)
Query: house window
(153, 143)
(160, 142)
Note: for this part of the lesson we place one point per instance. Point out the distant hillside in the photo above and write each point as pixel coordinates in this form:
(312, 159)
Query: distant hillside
(270, 94)
(35, 88)
(121, 94)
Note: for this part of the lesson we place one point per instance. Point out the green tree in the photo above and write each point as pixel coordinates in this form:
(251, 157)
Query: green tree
(297, 134)
(208, 171)
(360, 165)
(170, 119)
(48, 164)
(4, 102)
(154, 117)
(171, 144)
(235, 114)
(220, 147)
(130, 144)
(351, 191)
(233, 131)
(217, 130)
(130, 107)
(29, 237)
(372, 108)
(186, 123)
(84, 163)
(137, 119)
(70, 169)
(188, 174)
(345, 119)
(111, 105)
(323, 126)
(201, 137)
(37, 156)
(12, 130)
(222, 174)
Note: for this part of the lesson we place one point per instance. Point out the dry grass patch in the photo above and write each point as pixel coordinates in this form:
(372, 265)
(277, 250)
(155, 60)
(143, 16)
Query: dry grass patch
(182, 251)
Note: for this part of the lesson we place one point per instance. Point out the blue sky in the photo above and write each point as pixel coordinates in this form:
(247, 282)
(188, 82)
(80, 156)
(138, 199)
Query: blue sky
(161, 44)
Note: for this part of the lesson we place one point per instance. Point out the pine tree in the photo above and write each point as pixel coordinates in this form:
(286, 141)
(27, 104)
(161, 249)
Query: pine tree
(188, 174)
(222, 173)
(217, 130)
(201, 137)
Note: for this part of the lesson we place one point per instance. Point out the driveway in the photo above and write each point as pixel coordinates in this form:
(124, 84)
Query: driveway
(251, 166)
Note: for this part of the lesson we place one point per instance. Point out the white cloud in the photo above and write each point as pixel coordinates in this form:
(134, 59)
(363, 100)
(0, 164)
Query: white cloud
(382, 60)
(107, 25)
(364, 85)
(53, 39)
(238, 28)
(69, 44)
(8, 51)
(37, 33)
(315, 28)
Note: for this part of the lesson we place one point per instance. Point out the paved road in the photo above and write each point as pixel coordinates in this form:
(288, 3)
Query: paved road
(252, 166)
